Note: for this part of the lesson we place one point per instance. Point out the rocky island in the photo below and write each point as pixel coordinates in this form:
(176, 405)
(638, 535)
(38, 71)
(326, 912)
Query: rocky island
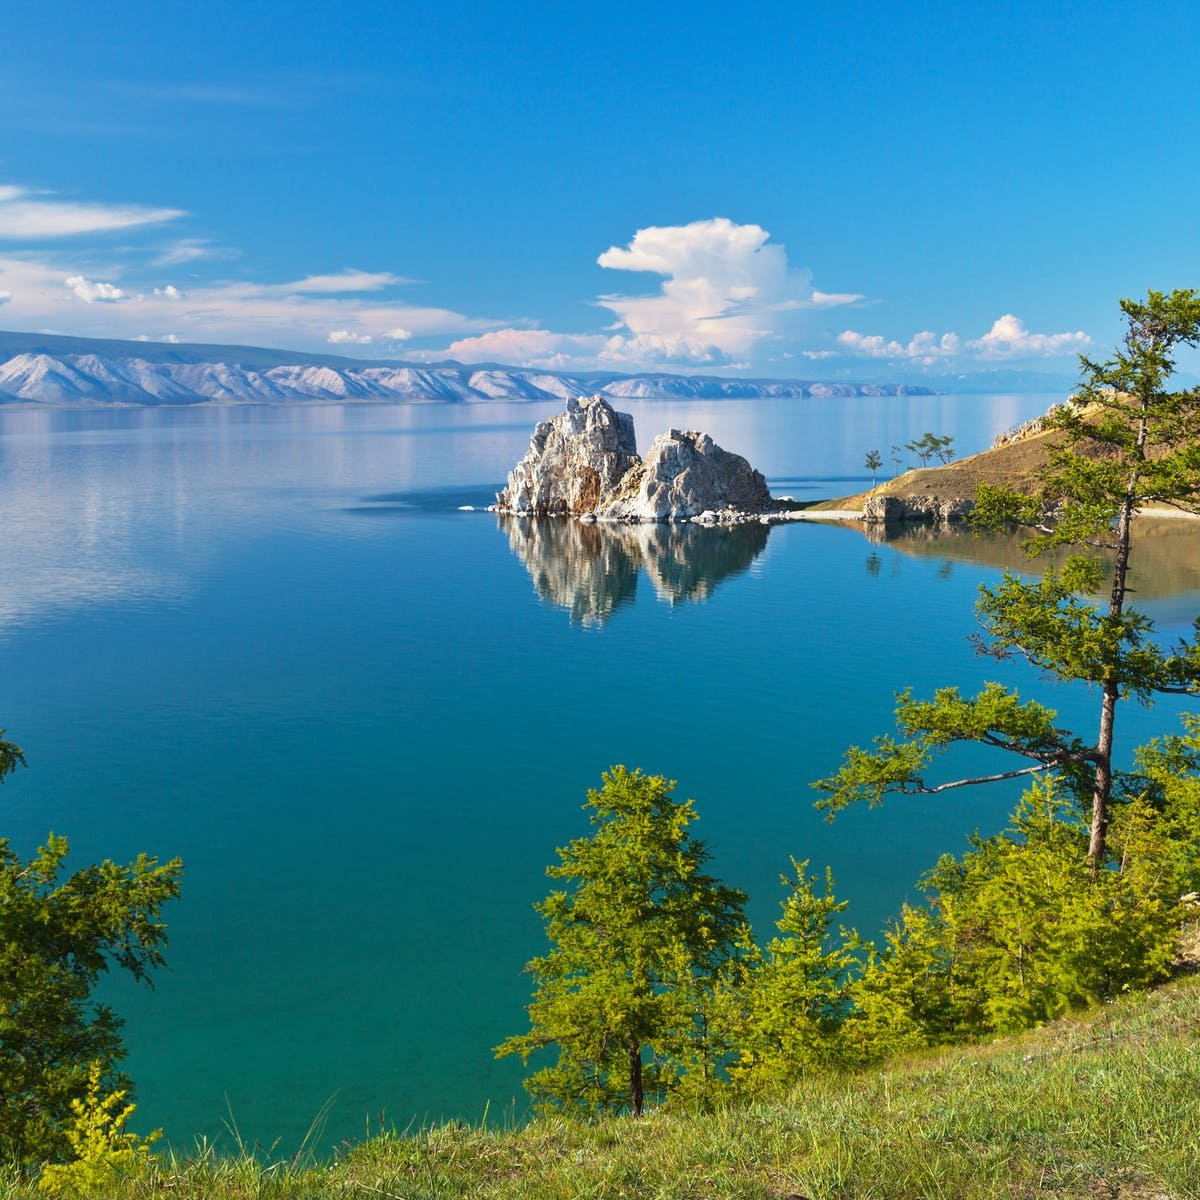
(584, 463)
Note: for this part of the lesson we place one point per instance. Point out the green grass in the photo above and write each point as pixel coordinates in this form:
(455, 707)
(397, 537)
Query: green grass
(1099, 1106)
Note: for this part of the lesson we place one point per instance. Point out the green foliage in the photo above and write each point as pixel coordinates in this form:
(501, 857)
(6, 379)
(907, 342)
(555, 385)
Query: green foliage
(910, 993)
(638, 936)
(1123, 441)
(1018, 933)
(873, 462)
(996, 717)
(783, 1010)
(929, 446)
(1096, 1106)
(10, 756)
(104, 1152)
(57, 937)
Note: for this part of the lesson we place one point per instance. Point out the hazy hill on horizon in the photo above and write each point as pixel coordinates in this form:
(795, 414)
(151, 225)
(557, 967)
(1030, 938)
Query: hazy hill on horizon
(55, 369)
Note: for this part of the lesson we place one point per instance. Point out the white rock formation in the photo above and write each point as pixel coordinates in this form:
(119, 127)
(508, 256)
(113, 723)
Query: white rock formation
(584, 463)
(574, 461)
(685, 474)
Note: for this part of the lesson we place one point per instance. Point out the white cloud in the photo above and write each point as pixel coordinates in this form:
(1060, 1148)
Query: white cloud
(525, 347)
(89, 290)
(1008, 338)
(348, 280)
(29, 216)
(120, 302)
(186, 250)
(5, 297)
(726, 288)
(341, 337)
(924, 347)
(870, 345)
(833, 299)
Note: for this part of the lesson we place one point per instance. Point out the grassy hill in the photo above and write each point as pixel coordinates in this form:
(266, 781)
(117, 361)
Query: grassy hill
(1015, 462)
(1105, 1105)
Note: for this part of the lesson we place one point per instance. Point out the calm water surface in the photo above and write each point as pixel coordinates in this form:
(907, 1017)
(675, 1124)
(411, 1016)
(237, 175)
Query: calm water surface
(268, 641)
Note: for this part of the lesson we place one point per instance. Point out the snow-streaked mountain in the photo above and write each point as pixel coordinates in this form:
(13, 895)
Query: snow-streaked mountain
(44, 369)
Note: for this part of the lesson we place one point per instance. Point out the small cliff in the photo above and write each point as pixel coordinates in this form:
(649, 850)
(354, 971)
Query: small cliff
(584, 463)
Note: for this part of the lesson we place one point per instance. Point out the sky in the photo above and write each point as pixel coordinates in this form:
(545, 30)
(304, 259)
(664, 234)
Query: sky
(834, 190)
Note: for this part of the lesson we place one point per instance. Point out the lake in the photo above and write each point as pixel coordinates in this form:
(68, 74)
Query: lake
(269, 641)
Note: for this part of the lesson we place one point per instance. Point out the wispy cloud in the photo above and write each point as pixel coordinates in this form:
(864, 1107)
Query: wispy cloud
(52, 293)
(523, 347)
(188, 250)
(33, 216)
(348, 280)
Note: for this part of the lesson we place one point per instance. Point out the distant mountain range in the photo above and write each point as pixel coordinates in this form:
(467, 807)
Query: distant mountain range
(55, 370)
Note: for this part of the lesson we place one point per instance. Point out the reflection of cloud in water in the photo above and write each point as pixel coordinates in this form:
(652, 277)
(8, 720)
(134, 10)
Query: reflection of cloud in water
(592, 570)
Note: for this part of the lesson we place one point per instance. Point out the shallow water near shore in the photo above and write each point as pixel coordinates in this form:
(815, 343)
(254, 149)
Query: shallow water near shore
(267, 640)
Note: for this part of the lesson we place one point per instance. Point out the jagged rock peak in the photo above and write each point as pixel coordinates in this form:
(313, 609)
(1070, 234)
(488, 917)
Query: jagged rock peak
(584, 463)
(685, 473)
(574, 460)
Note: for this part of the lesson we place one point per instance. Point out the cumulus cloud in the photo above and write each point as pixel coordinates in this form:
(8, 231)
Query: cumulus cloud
(89, 290)
(925, 347)
(170, 292)
(32, 216)
(725, 289)
(5, 297)
(342, 337)
(1008, 338)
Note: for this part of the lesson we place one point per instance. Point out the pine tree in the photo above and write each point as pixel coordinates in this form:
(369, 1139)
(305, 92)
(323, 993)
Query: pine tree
(638, 935)
(1124, 441)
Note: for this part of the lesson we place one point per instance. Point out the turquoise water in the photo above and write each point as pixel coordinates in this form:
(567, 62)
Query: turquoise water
(268, 641)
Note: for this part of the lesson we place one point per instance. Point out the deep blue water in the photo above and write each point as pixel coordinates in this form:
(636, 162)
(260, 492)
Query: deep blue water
(268, 641)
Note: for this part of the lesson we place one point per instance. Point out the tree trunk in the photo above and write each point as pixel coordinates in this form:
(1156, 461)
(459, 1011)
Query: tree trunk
(1102, 786)
(636, 1096)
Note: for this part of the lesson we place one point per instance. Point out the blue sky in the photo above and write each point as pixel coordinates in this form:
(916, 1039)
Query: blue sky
(858, 189)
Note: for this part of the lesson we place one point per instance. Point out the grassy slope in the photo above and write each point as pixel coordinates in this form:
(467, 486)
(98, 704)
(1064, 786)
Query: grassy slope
(1103, 1105)
(1015, 464)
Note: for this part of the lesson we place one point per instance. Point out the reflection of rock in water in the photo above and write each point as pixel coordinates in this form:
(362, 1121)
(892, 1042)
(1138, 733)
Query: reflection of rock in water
(591, 570)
